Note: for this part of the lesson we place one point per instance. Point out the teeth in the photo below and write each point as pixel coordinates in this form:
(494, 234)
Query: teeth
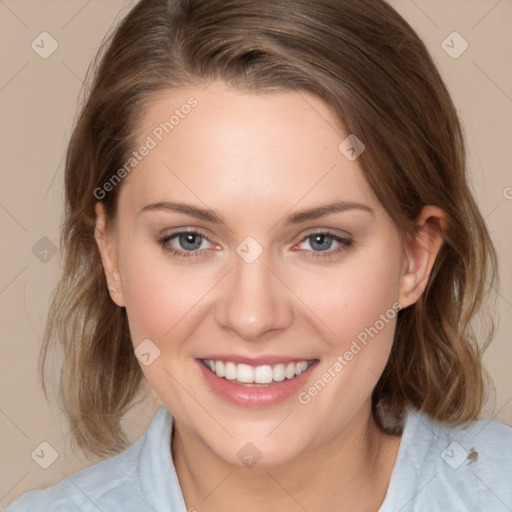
(220, 369)
(244, 373)
(290, 371)
(231, 371)
(300, 367)
(278, 373)
(263, 374)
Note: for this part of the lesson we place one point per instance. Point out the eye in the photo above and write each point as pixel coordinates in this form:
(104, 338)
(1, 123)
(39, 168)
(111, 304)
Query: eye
(190, 244)
(322, 241)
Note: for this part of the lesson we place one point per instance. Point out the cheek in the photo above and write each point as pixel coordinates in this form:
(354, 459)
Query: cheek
(359, 303)
(356, 301)
(159, 296)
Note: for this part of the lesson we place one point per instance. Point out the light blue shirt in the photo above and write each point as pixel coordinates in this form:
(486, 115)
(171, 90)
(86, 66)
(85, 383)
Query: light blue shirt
(432, 473)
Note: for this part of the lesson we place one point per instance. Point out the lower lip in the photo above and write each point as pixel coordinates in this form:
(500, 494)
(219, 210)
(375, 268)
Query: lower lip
(246, 396)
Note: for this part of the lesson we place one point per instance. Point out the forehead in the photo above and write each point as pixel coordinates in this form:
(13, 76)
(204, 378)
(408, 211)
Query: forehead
(242, 149)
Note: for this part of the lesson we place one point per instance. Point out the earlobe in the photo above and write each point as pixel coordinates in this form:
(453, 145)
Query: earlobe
(106, 245)
(420, 254)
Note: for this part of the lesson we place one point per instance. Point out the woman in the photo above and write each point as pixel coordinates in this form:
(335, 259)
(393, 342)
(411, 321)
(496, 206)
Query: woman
(268, 220)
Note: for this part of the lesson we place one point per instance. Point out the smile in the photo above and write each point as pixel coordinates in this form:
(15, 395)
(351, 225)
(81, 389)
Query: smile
(255, 382)
(258, 375)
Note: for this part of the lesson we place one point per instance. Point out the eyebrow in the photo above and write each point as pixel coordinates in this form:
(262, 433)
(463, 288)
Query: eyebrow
(291, 219)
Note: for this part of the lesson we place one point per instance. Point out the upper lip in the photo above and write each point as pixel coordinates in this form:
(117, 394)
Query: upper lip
(256, 361)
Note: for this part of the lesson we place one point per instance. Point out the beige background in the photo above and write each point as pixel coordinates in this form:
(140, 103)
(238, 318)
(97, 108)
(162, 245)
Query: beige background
(38, 102)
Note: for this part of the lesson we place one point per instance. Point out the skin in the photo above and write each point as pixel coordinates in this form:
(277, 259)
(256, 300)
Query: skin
(253, 159)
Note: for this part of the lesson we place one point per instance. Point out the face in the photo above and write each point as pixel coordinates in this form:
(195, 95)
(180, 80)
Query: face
(304, 304)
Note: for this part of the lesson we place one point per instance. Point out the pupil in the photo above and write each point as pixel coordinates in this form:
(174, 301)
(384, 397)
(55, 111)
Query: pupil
(189, 239)
(322, 239)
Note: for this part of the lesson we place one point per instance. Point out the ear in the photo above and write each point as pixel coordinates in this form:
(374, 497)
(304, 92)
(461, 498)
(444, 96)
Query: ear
(107, 246)
(420, 254)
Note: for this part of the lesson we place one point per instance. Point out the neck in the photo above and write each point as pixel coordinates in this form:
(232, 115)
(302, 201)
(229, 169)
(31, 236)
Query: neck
(350, 472)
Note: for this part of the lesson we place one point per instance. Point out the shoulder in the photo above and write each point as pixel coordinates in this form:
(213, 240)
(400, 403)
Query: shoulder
(113, 484)
(83, 490)
(466, 468)
(480, 448)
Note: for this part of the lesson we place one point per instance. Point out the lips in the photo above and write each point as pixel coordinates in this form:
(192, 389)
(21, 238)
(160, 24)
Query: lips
(252, 383)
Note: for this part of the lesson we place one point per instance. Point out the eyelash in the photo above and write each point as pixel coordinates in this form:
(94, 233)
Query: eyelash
(345, 243)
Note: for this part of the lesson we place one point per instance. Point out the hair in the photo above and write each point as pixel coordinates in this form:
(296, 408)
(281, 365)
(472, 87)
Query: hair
(369, 66)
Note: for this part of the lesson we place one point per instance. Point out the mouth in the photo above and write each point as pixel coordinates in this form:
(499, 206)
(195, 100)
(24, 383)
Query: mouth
(256, 383)
(262, 375)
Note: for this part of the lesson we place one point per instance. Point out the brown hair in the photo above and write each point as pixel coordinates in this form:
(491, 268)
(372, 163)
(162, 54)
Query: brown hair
(371, 68)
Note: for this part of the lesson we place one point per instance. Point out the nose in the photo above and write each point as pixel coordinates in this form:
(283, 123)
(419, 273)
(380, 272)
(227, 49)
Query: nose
(255, 300)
